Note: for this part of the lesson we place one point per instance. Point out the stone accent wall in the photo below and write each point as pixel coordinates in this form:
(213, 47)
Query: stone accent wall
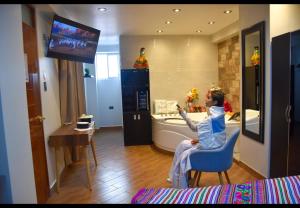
(229, 70)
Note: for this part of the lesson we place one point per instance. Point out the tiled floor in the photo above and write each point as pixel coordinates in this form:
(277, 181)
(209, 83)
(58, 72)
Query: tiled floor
(122, 171)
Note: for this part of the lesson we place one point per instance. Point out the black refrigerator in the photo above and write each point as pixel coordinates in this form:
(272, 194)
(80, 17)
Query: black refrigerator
(136, 107)
(285, 116)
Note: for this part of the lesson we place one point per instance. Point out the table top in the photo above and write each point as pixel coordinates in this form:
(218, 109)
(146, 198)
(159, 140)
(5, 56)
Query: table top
(67, 135)
(67, 130)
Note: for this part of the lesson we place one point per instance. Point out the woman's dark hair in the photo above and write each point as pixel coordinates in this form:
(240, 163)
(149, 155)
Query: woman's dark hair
(218, 95)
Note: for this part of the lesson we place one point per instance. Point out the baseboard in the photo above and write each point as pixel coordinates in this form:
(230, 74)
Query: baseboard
(250, 170)
(117, 126)
(107, 127)
(161, 150)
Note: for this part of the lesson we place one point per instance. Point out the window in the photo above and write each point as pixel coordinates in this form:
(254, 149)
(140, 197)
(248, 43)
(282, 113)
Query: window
(107, 65)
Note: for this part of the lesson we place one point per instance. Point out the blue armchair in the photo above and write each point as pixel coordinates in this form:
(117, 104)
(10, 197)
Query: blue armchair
(216, 160)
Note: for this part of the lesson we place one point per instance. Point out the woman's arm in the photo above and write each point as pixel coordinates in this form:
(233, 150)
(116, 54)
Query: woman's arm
(189, 122)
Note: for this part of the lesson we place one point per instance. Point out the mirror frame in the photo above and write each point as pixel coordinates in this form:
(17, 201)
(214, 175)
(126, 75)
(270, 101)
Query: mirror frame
(261, 28)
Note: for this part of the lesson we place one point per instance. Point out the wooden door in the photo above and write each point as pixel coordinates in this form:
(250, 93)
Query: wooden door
(280, 105)
(35, 114)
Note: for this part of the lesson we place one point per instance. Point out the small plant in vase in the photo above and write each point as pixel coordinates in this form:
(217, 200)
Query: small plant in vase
(192, 99)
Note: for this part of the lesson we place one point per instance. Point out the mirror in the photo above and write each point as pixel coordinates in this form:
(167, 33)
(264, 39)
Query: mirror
(253, 42)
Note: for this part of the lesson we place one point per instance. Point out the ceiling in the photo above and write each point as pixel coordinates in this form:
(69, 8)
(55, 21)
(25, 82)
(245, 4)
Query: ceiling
(146, 19)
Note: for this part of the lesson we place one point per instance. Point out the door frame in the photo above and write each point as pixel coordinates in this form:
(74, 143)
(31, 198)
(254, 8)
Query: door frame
(39, 103)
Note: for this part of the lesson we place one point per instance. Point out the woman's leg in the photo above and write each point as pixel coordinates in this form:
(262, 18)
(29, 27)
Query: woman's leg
(184, 145)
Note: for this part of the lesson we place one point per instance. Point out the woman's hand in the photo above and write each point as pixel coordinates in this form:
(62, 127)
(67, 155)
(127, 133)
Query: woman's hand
(194, 141)
(180, 110)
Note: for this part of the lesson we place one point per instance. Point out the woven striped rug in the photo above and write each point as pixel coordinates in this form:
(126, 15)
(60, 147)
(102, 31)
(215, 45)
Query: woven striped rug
(268, 191)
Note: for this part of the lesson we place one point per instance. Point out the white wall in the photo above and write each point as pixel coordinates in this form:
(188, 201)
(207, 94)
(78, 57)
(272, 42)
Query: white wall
(177, 63)
(49, 99)
(226, 33)
(252, 153)
(91, 96)
(14, 105)
(284, 18)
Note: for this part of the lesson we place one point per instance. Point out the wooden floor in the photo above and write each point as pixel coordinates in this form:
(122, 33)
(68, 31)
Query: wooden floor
(122, 171)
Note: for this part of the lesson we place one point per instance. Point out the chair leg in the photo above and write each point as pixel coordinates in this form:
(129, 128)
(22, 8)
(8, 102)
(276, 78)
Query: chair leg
(227, 178)
(220, 178)
(198, 179)
(194, 181)
(190, 179)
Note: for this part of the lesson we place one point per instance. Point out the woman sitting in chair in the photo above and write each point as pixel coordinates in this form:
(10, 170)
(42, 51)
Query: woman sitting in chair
(211, 135)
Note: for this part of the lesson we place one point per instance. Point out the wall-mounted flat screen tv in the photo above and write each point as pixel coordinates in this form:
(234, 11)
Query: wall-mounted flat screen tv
(72, 41)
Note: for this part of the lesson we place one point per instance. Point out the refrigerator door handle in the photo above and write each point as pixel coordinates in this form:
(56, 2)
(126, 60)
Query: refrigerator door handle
(137, 100)
(287, 113)
(286, 109)
(147, 100)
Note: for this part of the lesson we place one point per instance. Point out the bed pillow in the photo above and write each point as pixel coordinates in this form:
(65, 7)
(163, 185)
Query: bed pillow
(160, 106)
(171, 106)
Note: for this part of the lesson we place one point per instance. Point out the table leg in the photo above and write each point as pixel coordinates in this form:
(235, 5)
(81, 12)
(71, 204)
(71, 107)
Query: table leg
(75, 153)
(87, 163)
(93, 150)
(56, 169)
(65, 156)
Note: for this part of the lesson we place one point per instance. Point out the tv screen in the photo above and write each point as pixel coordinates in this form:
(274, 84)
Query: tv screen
(72, 41)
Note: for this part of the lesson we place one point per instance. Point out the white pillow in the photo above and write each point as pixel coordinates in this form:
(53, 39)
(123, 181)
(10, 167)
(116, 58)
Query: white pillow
(171, 106)
(160, 106)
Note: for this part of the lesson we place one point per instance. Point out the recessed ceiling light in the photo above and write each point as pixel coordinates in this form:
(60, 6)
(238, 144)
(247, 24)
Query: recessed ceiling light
(227, 11)
(211, 22)
(159, 31)
(198, 31)
(168, 22)
(176, 10)
(102, 9)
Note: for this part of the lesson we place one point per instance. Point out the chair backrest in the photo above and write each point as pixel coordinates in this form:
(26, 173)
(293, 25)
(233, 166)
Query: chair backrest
(229, 145)
(215, 160)
(227, 150)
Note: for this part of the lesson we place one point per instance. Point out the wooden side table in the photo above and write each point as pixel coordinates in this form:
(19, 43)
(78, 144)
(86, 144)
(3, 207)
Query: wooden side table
(67, 136)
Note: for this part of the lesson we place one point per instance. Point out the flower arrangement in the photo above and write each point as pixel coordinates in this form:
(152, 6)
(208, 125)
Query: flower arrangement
(192, 99)
(192, 95)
